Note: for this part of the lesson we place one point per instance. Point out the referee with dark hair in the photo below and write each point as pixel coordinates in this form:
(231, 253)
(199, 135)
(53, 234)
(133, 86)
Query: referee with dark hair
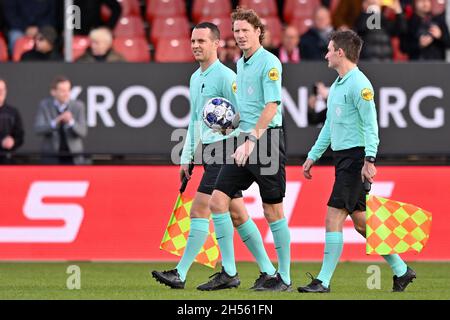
(352, 130)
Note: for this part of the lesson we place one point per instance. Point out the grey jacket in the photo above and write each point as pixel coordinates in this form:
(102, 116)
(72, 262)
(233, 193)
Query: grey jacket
(46, 113)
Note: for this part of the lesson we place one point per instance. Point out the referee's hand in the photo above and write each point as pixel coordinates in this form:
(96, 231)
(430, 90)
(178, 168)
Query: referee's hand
(184, 172)
(307, 165)
(368, 171)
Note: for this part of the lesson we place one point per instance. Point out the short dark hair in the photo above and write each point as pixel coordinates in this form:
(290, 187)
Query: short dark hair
(211, 26)
(57, 80)
(251, 17)
(350, 42)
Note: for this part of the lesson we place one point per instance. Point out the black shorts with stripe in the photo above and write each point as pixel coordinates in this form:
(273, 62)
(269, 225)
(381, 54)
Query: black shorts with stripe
(348, 190)
(214, 157)
(266, 167)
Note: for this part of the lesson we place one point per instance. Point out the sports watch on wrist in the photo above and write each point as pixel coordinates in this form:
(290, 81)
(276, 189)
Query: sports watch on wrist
(371, 159)
(252, 138)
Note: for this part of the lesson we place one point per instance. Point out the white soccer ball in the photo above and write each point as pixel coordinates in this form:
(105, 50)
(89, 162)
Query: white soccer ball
(219, 114)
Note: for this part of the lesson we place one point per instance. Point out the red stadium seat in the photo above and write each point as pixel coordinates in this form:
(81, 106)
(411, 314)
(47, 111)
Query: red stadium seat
(3, 50)
(398, 55)
(132, 49)
(165, 8)
(297, 9)
(129, 8)
(210, 8)
(438, 6)
(264, 8)
(174, 50)
(302, 24)
(79, 46)
(273, 24)
(172, 27)
(131, 26)
(224, 24)
(333, 5)
(22, 45)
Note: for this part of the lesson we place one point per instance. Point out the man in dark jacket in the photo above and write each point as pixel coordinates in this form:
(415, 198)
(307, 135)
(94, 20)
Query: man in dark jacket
(11, 130)
(313, 44)
(91, 14)
(24, 17)
(428, 36)
(45, 48)
(377, 38)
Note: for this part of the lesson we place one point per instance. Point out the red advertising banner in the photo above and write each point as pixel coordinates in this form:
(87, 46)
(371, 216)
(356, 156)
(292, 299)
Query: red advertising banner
(121, 212)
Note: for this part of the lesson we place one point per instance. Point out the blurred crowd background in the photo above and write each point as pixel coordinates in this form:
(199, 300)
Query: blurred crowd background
(159, 30)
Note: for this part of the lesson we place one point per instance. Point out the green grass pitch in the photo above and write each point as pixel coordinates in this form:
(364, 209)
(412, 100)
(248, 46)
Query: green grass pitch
(23, 280)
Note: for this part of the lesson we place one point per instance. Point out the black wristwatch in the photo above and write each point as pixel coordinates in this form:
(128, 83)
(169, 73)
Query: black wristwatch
(252, 138)
(371, 159)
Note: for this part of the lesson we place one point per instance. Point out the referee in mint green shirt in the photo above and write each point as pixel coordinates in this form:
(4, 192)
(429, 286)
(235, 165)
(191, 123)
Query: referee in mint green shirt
(352, 131)
(260, 156)
(211, 80)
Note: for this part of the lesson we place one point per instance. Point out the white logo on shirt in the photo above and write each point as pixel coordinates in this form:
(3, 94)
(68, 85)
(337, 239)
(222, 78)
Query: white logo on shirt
(250, 90)
(338, 111)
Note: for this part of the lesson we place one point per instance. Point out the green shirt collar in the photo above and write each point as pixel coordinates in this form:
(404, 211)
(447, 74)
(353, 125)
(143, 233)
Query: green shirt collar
(211, 67)
(347, 75)
(253, 57)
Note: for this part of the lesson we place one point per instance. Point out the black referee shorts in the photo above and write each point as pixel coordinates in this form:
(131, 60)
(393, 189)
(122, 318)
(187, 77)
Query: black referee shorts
(266, 167)
(214, 156)
(348, 190)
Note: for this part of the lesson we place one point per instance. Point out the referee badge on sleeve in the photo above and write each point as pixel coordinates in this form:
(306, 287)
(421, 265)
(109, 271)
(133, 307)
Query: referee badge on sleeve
(367, 94)
(274, 75)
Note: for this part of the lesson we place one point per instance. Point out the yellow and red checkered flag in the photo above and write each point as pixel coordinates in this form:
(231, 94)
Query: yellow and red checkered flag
(177, 232)
(395, 227)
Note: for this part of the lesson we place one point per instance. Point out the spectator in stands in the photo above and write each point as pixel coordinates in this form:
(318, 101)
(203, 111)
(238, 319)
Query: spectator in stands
(62, 124)
(289, 51)
(313, 44)
(230, 52)
(268, 43)
(376, 28)
(427, 36)
(346, 13)
(91, 14)
(100, 49)
(25, 17)
(44, 47)
(11, 130)
(317, 104)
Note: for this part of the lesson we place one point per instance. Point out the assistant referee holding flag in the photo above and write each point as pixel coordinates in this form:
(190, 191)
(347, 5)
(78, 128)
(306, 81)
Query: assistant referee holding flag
(351, 129)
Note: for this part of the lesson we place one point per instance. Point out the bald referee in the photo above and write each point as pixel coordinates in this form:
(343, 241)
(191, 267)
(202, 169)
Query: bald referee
(351, 129)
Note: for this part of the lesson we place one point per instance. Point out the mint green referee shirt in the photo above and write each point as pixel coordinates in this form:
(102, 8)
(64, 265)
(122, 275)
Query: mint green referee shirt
(258, 83)
(216, 81)
(351, 117)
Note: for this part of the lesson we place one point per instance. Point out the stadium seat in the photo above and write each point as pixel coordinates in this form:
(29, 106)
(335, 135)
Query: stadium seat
(398, 55)
(165, 8)
(438, 6)
(302, 24)
(133, 49)
(273, 24)
(333, 5)
(79, 46)
(131, 26)
(174, 50)
(22, 45)
(210, 8)
(129, 8)
(3, 50)
(297, 9)
(173, 27)
(264, 8)
(224, 24)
